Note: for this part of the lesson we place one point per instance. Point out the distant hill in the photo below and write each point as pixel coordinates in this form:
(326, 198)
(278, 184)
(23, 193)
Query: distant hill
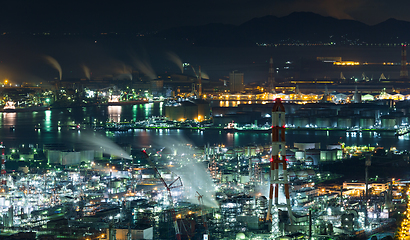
(298, 27)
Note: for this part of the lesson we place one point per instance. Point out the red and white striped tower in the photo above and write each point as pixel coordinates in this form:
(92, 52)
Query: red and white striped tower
(3, 166)
(403, 72)
(278, 158)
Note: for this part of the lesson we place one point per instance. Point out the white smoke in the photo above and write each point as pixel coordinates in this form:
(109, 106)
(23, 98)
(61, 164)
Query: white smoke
(145, 68)
(86, 71)
(98, 142)
(175, 59)
(50, 60)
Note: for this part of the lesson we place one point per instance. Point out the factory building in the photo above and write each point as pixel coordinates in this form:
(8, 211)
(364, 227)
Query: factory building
(236, 82)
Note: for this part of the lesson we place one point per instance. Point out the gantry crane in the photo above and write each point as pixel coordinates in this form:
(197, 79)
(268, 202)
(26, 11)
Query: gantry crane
(174, 184)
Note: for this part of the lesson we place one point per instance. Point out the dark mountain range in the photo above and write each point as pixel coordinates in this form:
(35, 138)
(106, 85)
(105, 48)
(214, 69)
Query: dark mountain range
(298, 27)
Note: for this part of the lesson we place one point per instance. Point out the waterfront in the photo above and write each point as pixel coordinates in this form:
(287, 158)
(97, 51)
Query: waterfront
(55, 127)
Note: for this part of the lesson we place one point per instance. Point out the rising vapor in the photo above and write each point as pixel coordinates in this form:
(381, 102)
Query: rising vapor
(175, 59)
(204, 75)
(100, 143)
(86, 71)
(50, 60)
(145, 68)
(195, 178)
(194, 175)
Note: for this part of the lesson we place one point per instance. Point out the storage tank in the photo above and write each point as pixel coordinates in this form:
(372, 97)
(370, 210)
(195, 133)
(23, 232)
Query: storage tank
(323, 122)
(291, 175)
(301, 122)
(314, 154)
(230, 153)
(247, 151)
(54, 156)
(311, 173)
(344, 122)
(309, 161)
(239, 151)
(98, 154)
(292, 161)
(253, 150)
(289, 154)
(299, 155)
(302, 175)
(388, 122)
(261, 148)
(87, 156)
(366, 122)
(70, 158)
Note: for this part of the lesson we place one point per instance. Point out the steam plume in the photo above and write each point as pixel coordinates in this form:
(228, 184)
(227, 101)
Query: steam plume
(50, 60)
(174, 58)
(145, 68)
(98, 142)
(86, 71)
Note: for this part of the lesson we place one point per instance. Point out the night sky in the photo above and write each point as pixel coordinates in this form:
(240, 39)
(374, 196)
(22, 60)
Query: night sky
(103, 15)
(22, 56)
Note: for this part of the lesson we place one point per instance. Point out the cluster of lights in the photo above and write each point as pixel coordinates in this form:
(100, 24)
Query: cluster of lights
(404, 231)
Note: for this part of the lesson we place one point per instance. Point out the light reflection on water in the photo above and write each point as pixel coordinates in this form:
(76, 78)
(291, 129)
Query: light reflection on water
(25, 133)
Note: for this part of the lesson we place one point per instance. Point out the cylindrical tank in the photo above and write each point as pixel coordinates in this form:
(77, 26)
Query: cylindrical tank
(291, 175)
(239, 151)
(247, 151)
(260, 149)
(301, 122)
(230, 153)
(323, 122)
(87, 156)
(267, 148)
(299, 155)
(292, 161)
(311, 173)
(54, 156)
(309, 161)
(253, 150)
(366, 122)
(302, 175)
(70, 158)
(98, 154)
(344, 122)
(388, 122)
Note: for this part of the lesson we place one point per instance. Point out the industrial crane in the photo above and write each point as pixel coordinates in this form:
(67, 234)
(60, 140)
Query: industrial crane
(201, 203)
(199, 78)
(174, 184)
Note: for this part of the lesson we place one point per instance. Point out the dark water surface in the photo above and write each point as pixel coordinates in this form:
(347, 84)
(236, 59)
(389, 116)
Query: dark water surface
(25, 131)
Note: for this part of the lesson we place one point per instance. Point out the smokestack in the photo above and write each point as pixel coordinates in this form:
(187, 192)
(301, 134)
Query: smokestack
(403, 72)
(3, 166)
(199, 83)
(271, 79)
(278, 158)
